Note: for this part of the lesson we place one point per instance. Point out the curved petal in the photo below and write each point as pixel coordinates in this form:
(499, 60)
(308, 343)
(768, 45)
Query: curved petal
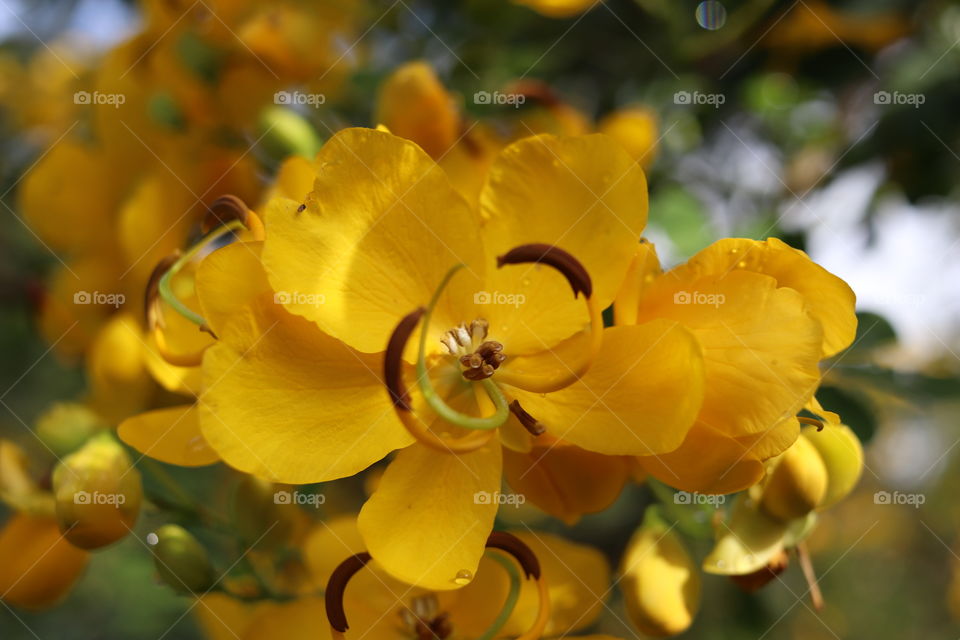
(829, 299)
(761, 348)
(286, 402)
(413, 104)
(583, 194)
(710, 462)
(428, 521)
(564, 480)
(120, 384)
(380, 230)
(169, 435)
(227, 281)
(639, 398)
(37, 564)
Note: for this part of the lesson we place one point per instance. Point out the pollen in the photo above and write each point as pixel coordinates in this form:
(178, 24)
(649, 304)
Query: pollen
(478, 356)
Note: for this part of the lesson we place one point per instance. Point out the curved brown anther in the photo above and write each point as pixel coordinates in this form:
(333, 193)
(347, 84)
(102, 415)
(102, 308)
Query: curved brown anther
(152, 290)
(518, 549)
(393, 360)
(337, 585)
(472, 361)
(575, 273)
(531, 424)
(223, 210)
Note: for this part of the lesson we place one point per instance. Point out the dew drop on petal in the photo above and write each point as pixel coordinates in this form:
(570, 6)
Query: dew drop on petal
(721, 563)
(711, 15)
(463, 577)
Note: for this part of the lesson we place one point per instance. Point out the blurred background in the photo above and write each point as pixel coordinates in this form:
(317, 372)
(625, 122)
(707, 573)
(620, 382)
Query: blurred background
(832, 125)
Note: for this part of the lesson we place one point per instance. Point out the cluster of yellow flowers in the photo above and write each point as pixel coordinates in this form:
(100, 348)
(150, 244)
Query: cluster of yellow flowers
(286, 353)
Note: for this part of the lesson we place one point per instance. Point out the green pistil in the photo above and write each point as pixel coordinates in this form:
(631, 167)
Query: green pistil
(430, 393)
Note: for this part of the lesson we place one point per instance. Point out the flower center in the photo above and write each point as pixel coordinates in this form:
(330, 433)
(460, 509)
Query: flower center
(478, 356)
(424, 621)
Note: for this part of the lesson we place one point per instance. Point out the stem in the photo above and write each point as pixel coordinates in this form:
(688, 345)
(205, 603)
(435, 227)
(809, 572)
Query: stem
(508, 605)
(816, 596)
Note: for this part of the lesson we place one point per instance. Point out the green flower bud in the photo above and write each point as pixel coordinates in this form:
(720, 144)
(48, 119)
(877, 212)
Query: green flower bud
(64, 427)
(97, 492)
(797, 484)
(181, 560)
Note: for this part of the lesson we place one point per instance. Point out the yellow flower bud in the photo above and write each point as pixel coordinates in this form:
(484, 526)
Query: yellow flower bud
(64, 427)
(97, 492)
(181, 560)
(636, 129)
(413, 104)
(661, 583)
(842, 456)
(37, 566)
(797, 483)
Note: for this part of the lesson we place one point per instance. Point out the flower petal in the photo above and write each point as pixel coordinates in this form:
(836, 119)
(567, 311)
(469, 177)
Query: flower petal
(428, 530)
(710, 462)
(380, 230)
(169, 435)
(583, 194)
(829, 299)
(639, 398)
(564, 480)
(288, 403)
(761, 348)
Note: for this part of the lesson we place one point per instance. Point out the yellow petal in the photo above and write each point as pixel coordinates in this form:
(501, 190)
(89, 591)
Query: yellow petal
(287, 403)
(37, 564)
(830, 300)
(747, 542)
(761, 348)
(224, 618)
(119, 381)
(169, 435)
(710, 462)
(558, 8)
(303, 619)
(564, 480)
(583, 194)
(640, 396)
(642, 272)
(294, 179)
(380, 230)
(431, 531)
(413, 104)
(228, 280)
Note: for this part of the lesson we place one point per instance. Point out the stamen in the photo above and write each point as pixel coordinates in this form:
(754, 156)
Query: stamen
(228, 208)
(393, 360)
(811, 421)
(528, 561)
(529, 423)
(430, 394)
(399, 396)
(518, 549)
(579, 280)
(337, 585)
(570, 267)
(151, 306)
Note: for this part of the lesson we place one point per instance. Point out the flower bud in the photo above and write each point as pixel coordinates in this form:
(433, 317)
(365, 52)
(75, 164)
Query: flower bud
(797, 483)
(65, 426)
(37, 566)
(661, 583)
(636, 129)
(97, 492)
(842, 456)
(181, 560)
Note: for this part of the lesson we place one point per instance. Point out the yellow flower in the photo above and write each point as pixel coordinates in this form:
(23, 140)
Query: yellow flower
(636, 129)
(37, 564)
(293, 387)
(764, 315)
(377, 606)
